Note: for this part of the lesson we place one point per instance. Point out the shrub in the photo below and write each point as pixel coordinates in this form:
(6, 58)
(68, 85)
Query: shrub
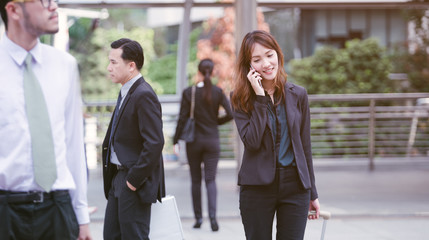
(361, 67)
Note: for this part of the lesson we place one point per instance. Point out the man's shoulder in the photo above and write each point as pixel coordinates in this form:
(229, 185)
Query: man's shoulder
(2, 46)
(57, 54)
(143, 86)
(4, 54)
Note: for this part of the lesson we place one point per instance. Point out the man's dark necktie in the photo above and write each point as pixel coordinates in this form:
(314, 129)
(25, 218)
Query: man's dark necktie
(115, 118)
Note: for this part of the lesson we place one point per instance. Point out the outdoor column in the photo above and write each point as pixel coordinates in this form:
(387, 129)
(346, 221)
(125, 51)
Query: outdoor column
(61, 39)
(245, 21)
(183, 50)
(182, 60)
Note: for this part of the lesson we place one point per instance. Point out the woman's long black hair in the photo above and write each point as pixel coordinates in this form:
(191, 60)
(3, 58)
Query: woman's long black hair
(206, 68)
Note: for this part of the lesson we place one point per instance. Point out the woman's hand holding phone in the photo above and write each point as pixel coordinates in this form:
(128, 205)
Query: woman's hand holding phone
(255, 80)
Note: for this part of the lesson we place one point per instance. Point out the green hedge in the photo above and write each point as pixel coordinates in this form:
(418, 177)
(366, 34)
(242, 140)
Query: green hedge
(361, 67)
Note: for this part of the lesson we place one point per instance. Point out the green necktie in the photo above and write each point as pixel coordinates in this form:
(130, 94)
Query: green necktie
(42, 144)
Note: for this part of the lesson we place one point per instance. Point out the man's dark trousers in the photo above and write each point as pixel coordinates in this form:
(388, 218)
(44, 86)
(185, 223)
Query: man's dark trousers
(126, 216)
(48, 220)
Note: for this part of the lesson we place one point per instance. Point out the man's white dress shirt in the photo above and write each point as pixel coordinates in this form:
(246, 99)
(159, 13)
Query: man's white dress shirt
(58, 75)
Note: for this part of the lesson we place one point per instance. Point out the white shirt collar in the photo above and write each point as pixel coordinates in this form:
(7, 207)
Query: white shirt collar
(19, 54)
(126, 87)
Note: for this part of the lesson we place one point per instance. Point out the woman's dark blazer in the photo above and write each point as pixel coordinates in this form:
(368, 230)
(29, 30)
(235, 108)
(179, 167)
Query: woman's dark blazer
(260, 157)
(206, 115)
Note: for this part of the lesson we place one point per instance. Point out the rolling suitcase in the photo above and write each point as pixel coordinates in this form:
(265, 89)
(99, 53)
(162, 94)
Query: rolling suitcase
(326, 216)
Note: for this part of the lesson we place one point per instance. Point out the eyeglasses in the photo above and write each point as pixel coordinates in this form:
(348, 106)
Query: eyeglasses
(45, 3)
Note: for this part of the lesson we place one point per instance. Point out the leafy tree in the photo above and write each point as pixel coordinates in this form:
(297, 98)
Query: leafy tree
(218, 43)
(80, 32)
(413, 58)
(125, 19)
(361, 67)
(163, 69)
(415, 65)
(93, 61)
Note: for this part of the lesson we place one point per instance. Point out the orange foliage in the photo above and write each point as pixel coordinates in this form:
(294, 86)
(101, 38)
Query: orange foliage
(220, 47)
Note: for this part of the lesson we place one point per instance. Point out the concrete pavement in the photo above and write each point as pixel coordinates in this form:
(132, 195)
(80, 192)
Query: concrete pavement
(391, 202)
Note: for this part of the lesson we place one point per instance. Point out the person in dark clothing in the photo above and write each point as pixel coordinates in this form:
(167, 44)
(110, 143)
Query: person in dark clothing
(133, 167)
(205, 149)
(276, 177)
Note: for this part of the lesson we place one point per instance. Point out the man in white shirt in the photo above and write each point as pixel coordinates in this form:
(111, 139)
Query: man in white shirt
(51, 205)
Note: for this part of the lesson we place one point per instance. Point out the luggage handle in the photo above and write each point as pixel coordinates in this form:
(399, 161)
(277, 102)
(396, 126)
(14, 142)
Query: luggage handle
(323, 214)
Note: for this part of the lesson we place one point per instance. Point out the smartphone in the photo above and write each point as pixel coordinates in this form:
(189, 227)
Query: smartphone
(259, 80)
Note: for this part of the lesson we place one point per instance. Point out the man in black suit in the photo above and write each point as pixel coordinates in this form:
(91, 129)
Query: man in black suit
(133, 169)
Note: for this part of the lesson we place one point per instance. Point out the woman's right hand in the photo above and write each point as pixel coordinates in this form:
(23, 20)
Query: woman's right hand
(255, 79)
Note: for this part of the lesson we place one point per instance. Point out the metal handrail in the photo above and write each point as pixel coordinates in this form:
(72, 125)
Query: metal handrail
(354, 119)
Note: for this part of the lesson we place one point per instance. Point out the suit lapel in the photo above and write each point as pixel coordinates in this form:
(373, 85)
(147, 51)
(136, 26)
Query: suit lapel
(291, 103)
(126, 99)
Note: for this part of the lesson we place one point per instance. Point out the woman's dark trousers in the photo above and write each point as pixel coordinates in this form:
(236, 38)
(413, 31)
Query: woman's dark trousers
(203, 152)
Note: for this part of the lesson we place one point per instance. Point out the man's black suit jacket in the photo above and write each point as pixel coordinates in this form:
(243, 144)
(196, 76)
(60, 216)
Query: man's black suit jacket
(138, 141)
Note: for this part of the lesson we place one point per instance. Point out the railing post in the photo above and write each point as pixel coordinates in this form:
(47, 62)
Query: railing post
(371, 134)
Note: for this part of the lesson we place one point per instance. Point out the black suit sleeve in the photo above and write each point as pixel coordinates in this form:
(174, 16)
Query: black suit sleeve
(226, 105)
(306, 141)
(149, 115)
(251, 126)
(185, 109)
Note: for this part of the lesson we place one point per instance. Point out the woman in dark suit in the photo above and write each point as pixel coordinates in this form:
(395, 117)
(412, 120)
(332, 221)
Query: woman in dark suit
(273, 121)
(205, 148)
